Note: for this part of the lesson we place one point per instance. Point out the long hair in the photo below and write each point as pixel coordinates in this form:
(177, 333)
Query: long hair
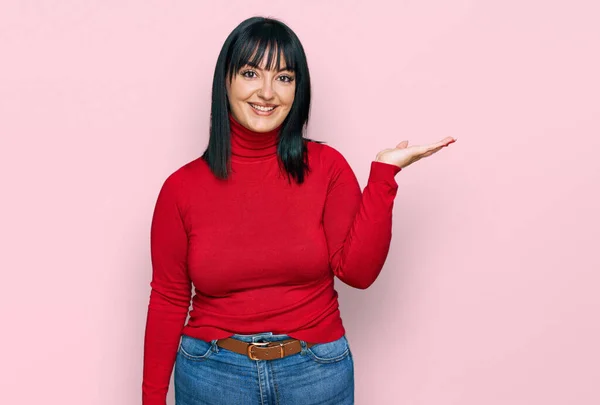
(247, 44)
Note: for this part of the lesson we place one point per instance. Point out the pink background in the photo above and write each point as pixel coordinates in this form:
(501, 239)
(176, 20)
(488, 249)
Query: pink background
(490, 291)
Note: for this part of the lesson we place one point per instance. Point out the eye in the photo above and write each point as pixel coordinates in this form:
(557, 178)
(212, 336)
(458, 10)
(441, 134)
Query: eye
(286, 78)
(248, 73)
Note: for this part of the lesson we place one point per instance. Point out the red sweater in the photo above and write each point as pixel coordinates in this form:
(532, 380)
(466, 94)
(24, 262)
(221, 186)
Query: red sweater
(260, 252)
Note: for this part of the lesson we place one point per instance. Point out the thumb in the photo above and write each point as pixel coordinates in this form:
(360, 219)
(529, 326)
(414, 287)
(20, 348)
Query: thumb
(402, 145)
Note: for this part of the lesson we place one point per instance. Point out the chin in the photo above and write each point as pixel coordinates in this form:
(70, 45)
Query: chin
(265, 129)
(265, 126)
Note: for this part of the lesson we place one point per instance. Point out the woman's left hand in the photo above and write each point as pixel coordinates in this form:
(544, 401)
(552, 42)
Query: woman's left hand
(402, 155)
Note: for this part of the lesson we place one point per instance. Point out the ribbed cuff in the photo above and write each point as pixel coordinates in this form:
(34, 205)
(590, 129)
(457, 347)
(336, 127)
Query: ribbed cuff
(384, 172)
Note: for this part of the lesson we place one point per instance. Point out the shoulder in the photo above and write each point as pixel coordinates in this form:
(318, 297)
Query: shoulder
(327, 155)
(183, 176)
(332, 163)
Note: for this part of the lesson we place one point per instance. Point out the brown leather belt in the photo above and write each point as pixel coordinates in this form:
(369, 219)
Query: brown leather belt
(263, 350)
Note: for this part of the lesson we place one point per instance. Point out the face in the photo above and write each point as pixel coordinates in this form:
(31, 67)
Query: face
(260, 99)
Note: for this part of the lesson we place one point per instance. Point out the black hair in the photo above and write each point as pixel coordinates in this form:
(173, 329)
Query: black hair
(247, 44)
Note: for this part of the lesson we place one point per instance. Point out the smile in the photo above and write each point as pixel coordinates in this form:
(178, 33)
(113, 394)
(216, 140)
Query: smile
(261, 108)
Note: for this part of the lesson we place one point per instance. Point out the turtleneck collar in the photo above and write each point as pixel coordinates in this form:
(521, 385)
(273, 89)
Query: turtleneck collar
(247, 145)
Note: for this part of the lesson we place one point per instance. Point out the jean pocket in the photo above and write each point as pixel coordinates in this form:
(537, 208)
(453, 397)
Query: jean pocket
(330, 352)
(195, 349)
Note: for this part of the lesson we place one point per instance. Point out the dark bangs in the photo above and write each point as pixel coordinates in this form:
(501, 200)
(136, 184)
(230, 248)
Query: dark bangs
(252, 45)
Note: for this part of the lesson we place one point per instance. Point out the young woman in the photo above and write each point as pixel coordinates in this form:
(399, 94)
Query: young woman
(260, 224)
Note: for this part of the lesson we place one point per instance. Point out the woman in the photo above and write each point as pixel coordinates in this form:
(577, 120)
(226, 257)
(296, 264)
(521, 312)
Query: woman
(260, 224)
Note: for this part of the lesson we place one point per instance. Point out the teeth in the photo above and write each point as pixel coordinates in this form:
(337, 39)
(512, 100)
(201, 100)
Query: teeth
(261, 108)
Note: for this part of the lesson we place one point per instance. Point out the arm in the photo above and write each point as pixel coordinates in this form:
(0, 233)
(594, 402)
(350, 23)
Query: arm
(170, 295)
(358, 228)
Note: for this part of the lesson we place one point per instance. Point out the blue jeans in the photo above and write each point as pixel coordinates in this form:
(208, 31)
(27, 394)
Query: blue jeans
(206, 374)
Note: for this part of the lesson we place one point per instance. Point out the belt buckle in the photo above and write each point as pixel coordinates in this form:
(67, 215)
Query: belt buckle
(251, 345)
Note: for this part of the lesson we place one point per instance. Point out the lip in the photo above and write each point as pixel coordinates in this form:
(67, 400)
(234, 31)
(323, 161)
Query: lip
(263, 105)
(263, 113)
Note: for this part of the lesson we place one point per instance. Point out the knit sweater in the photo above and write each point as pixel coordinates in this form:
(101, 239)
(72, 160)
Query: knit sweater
(260, 252)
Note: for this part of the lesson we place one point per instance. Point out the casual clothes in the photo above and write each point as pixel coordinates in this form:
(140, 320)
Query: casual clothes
(206, 374)
(260, 251)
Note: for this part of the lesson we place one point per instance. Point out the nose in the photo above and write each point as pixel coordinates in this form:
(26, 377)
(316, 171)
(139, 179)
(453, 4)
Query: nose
(266, 90)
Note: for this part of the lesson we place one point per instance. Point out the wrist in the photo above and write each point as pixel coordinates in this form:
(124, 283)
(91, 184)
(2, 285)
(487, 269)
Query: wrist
(387, 163)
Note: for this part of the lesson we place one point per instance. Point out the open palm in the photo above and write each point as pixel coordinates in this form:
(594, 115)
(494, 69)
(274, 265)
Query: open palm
(403, 155)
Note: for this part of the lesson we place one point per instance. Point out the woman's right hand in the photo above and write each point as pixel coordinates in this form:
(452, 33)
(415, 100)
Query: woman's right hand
(403, 155)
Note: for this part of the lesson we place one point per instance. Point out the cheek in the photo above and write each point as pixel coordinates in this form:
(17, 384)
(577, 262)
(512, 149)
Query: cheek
(234, 94)
(239, 91)
(288, 96)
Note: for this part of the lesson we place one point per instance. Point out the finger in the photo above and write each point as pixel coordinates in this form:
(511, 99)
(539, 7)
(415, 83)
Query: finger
(447, 141)
(422, 149)
(444, 142)
(432, 151)
(429, 153)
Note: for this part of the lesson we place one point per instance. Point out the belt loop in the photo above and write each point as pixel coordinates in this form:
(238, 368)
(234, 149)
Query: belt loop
(303, 346)
(214, 346)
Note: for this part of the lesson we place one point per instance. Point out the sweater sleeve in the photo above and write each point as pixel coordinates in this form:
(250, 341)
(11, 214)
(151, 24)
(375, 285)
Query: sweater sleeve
(358, 226)
(169, 296)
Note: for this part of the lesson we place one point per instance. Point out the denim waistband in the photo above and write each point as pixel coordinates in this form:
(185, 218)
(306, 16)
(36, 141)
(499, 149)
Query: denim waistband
(260, 337)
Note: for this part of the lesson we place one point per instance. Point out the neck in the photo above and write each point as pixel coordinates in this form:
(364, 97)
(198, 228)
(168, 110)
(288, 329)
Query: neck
(248, 145)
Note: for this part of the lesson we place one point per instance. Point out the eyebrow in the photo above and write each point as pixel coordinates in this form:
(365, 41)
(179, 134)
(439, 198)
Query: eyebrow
(282, 69)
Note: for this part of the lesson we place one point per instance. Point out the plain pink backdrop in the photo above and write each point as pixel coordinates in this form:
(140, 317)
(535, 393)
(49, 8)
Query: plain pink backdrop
(490, 291)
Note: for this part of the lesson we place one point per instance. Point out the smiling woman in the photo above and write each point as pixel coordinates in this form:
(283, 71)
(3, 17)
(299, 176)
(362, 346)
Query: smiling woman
(262, 81)
(265, 325)
(268, 93)
(261, 97)
(262, 251)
